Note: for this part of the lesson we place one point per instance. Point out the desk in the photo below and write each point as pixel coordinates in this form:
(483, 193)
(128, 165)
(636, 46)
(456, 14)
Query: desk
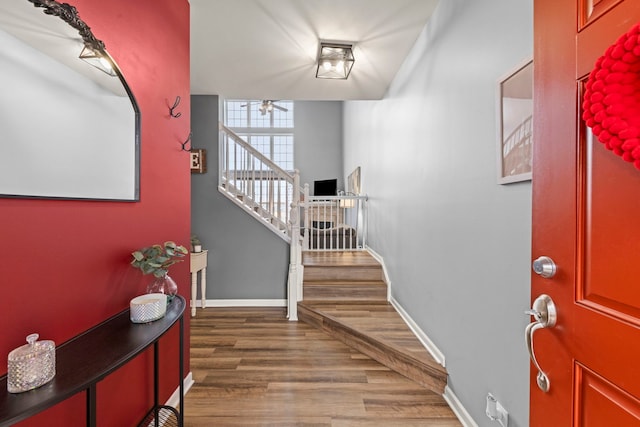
(88, 358)
(198, 263)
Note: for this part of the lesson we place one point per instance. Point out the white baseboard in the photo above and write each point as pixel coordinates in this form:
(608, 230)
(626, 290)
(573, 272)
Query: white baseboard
(458, 409)
(174, 400)
(449, 395)
(422, 337)
(379, 258)
(243, 303)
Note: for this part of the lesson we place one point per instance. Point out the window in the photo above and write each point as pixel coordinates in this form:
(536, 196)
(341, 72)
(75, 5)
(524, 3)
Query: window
(271, 133)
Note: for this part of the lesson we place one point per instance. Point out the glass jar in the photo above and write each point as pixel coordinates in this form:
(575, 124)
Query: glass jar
(31, 365)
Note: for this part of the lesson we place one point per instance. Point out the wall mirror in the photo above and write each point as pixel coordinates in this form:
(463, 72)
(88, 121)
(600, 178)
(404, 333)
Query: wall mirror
(67, 129)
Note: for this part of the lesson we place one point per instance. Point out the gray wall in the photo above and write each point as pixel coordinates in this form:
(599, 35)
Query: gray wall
(318, 139)
(246, 260)
(456, 244)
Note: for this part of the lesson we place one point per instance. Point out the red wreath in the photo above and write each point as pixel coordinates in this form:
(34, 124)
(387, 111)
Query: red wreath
(611, 104)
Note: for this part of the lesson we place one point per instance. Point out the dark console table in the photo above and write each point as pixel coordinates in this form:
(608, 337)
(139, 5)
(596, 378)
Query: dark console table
(89, 357)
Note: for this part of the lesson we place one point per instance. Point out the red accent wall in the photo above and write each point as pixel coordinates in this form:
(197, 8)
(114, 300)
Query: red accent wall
(65, 264)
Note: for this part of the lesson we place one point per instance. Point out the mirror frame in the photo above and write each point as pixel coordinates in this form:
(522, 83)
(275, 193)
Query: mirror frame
(69, 14)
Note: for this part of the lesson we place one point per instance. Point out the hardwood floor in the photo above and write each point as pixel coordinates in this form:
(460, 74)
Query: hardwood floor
(252, 367)
(345, 295)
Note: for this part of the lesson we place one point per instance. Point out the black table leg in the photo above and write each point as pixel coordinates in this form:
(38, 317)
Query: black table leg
(91, 406)
(156, 408)
(181, 371)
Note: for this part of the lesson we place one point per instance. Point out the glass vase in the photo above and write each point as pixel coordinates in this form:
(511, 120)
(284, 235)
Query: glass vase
(163, 285)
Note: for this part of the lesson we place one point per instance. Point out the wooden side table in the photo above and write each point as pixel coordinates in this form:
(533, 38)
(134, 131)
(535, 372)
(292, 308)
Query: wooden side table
(198, 263)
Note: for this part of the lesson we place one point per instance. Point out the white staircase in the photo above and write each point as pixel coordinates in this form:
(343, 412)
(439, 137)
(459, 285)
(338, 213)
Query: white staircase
(274, 197)
(256, 184)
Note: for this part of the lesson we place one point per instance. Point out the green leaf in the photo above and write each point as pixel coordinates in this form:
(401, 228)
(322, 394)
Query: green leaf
(157, 258)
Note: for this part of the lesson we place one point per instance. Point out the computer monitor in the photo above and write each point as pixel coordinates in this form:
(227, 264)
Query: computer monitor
(325, 187)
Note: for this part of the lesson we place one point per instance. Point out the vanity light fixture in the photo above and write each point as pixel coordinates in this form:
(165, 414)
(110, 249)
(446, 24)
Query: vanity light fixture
(97, 59)
(335, 60)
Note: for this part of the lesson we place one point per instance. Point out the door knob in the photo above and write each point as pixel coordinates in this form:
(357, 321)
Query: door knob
(545, 314)
(544, 266)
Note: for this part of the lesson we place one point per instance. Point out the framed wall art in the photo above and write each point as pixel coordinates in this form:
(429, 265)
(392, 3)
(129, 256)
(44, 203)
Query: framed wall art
(514, 96)
(353, 182)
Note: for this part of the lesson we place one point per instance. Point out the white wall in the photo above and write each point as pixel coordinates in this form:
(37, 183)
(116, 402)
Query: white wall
(457, 245)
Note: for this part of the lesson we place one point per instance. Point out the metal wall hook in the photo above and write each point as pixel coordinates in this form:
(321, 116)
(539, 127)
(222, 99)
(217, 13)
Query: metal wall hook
(186, 142)
(175, 105)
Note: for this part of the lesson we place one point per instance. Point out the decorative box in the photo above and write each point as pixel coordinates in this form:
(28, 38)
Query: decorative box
(147, 308)
(31, 365)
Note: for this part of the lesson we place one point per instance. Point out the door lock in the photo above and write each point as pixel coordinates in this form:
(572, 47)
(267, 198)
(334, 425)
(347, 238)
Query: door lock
(545, 314)
(545, 267)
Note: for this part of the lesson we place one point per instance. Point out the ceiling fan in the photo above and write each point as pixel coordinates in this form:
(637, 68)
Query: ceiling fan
(267, 106)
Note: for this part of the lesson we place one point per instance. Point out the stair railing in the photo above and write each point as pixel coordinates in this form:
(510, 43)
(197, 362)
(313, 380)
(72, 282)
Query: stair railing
(296, 269)
(255, 182)
(334, 223)
(516, 148)
(273, 196)
(270, 194)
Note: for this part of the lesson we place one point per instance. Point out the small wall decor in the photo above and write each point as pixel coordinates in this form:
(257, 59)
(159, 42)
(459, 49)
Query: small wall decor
(611, 107)
(353, 182)
(198, 160)
(514, 125)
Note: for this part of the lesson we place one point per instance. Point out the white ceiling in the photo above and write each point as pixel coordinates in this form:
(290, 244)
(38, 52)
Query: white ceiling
(267, 49)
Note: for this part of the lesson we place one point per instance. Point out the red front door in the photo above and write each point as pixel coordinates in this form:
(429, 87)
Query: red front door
(586, 218)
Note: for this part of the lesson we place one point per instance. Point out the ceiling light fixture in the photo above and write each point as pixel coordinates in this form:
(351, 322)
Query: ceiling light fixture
(266, 107)
(98, 60)
(335, 60)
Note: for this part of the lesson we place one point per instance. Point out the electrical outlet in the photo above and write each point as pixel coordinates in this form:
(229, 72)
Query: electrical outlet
(496, 412)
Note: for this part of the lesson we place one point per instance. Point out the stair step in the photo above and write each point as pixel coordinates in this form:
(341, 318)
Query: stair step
(354, 292)
(342, 273)
(345, 296)
(386, 342)
(341, 266)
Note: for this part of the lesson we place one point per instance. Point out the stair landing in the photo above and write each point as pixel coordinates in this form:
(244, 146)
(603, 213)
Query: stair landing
(345, 295)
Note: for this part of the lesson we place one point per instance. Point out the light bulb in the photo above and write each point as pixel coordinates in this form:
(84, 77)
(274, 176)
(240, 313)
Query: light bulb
(105, 63)
(340, 65)
(326, 65)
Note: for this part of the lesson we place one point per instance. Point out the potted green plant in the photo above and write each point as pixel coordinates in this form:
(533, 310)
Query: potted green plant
(156, 260)
(196, 245)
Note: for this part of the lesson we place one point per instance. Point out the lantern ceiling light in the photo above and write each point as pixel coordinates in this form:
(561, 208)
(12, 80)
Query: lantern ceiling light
(97, 59)
(335, 60)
